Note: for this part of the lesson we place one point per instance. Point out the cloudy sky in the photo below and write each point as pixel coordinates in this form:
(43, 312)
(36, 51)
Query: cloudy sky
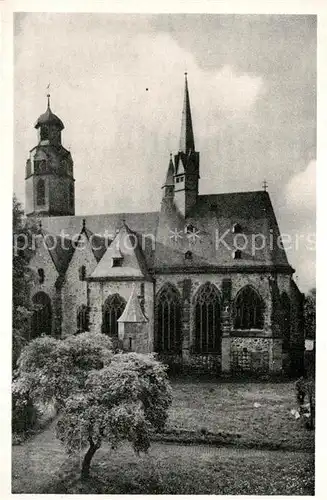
(117, 84)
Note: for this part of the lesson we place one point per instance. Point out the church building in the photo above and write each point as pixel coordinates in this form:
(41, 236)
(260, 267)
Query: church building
(204, 282)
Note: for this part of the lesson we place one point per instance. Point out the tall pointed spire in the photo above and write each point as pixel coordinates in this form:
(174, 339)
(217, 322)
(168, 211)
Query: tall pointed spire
(187, 137)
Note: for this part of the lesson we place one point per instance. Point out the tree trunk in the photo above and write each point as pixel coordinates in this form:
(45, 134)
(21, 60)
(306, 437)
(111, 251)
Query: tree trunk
(85, 472)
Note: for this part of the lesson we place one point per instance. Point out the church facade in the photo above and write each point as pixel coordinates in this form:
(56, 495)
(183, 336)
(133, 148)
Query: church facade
(204, 282)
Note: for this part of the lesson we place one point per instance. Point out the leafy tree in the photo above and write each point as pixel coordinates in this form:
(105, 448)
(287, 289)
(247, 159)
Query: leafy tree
(310, 314)
(21, 278)
(24, 414)
(102, 396)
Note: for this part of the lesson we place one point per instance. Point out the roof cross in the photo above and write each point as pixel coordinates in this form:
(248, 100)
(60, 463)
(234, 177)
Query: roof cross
(265, 185)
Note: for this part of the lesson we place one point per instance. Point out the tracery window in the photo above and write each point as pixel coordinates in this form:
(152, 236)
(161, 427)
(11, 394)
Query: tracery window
(83, 318)
(168, 312)
(40, 192)
(207, 319)
(42, 315)
(248, 309)
(113, 308)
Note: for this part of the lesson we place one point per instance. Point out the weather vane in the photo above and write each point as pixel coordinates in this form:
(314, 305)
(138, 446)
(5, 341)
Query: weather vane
(48, 94)
(265, 185)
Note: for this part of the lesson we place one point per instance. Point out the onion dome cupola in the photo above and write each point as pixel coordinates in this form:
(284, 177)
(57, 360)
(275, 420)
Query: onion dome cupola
(49, 126)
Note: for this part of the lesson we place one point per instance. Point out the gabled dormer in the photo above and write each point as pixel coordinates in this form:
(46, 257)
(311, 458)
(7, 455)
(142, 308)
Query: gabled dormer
(124, 259)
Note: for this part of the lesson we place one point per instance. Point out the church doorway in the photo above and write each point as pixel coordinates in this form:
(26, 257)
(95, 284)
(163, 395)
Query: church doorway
(113, 308)
(207, 335)
(42, 315)
(168, 318)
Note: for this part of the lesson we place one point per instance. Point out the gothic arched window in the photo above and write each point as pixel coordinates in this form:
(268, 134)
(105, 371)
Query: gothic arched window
(42, 315)
(83, 318)
(40, 192)
(113, 308)
(248, 309)
(168, 315)
(286, 320)
(207, 319)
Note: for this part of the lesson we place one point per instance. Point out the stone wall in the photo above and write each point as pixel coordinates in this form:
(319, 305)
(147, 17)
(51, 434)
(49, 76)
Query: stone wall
(74, 291)
(254, 355)
(136, 337)
(256, 350)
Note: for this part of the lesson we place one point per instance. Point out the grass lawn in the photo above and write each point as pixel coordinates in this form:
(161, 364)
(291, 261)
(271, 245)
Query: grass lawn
(40, 465)
(228, 407)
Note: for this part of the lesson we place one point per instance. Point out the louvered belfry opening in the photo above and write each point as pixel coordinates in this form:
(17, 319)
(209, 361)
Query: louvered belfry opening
(169, 324)
(40, 192)
(112, 310)
(207, 320)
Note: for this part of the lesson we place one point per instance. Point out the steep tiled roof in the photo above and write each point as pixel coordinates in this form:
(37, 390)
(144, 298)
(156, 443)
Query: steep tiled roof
(207, 234)
(164, 238)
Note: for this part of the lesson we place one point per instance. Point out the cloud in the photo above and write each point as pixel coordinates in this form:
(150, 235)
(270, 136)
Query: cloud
(120, 134)
(300, 212)
(301, 190)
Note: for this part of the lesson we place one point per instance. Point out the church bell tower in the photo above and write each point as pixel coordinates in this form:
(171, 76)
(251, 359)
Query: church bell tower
(49, 179)
(187, 161)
